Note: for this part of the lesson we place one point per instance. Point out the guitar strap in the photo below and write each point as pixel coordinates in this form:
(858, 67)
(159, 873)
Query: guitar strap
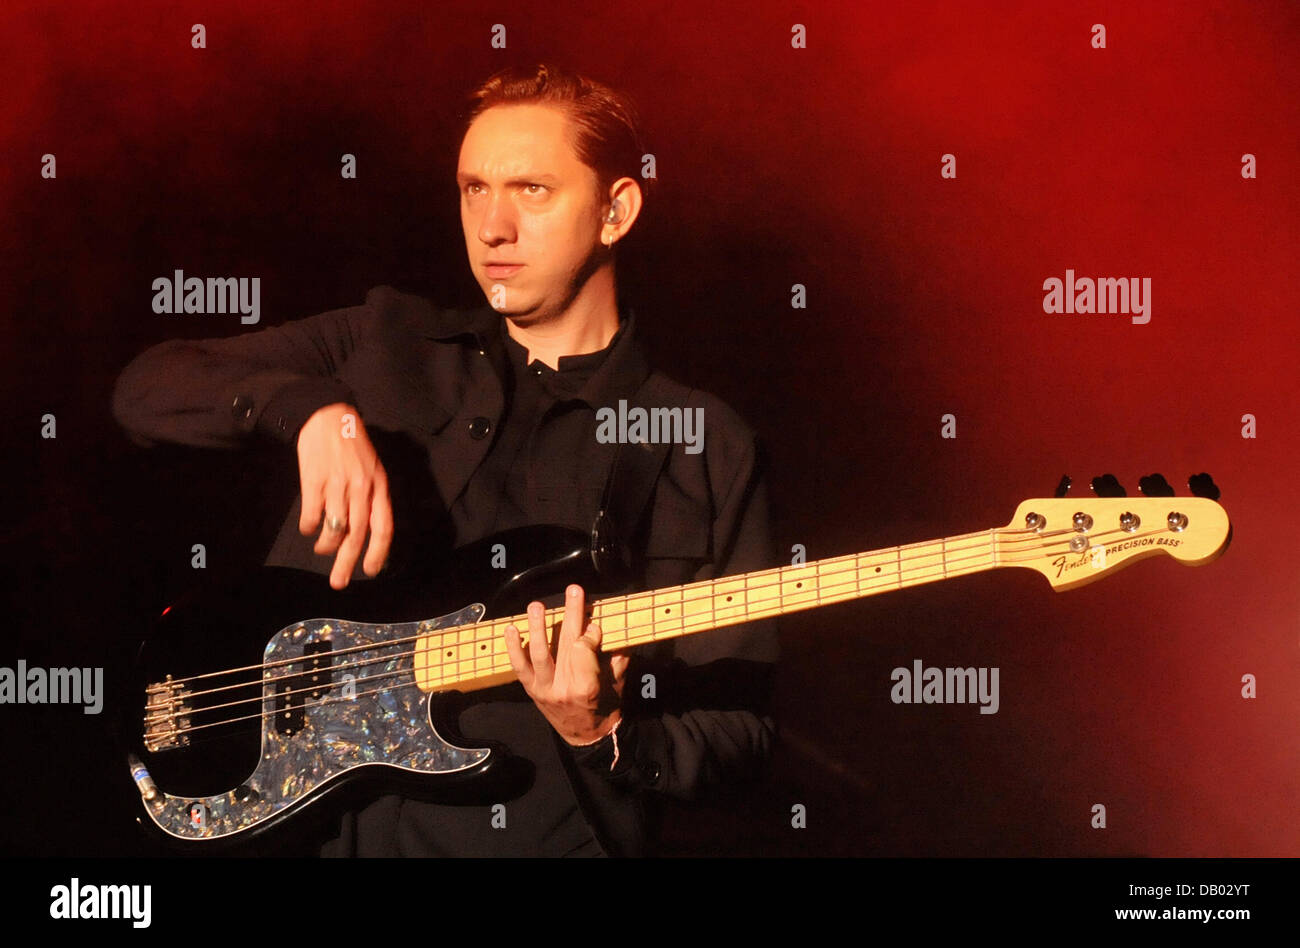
(630, 482)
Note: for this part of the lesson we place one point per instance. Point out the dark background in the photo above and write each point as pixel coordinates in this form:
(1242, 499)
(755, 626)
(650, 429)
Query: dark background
(776, 166)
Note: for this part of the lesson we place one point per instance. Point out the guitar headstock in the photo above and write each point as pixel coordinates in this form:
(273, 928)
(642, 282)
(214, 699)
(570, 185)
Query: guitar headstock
(1076, 540)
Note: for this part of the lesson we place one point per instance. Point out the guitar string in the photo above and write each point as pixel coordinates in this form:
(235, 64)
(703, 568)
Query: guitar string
(881, 582)
(686, 629)
(981, 548)
(401, 673)
(982, 534)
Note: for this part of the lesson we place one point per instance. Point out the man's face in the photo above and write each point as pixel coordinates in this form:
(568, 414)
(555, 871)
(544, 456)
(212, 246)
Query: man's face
(526, 199)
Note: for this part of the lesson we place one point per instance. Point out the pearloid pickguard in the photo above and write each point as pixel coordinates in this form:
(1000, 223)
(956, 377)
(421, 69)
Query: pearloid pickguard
(389, 728)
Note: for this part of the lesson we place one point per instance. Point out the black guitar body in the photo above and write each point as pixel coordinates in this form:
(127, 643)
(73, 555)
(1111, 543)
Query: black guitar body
(259, 696)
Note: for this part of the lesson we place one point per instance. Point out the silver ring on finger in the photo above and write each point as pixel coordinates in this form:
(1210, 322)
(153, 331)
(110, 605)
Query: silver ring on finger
(335, 524)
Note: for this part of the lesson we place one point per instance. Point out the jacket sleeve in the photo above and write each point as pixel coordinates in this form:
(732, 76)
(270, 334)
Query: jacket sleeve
(220, 393)
(710, 722)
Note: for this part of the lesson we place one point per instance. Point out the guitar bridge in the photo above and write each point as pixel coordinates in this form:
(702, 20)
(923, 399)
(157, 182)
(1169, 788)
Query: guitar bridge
(166, 716)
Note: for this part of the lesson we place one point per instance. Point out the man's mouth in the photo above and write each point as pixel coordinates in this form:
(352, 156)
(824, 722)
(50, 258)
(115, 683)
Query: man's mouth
(500, 270)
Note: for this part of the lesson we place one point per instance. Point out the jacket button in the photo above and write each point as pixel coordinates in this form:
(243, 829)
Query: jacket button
(242, 408)
(479, 428)
(652, 771)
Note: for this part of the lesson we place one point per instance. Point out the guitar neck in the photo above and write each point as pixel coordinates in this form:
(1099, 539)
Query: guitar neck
(673, 611)
(472, 657)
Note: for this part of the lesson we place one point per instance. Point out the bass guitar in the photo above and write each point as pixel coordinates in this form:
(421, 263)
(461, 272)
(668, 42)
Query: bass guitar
(268, 694)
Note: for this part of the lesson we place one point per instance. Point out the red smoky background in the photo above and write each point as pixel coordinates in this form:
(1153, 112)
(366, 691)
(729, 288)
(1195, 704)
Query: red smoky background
(777, 166)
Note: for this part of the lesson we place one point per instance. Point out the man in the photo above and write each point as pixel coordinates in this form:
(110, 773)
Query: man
(418, 429)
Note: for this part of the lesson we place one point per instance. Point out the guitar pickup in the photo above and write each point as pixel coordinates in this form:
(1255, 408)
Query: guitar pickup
(316, 659)
(312, 683)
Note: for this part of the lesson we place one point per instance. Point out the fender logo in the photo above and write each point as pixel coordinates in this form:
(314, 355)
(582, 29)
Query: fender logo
(1063, 563)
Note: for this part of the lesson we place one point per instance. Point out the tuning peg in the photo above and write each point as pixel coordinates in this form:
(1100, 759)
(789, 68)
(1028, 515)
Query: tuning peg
(1108, 486)
(1202, 485)
(1063, 487)
(1155, 485)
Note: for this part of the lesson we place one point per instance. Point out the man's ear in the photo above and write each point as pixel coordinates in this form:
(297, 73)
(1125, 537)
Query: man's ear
(625, 204)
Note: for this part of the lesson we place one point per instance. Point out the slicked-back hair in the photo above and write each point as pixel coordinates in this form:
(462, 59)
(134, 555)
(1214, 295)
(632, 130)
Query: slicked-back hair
(604, 128)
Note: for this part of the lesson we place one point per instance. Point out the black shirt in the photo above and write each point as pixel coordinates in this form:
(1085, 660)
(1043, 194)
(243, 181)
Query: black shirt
(534, 462)
(527, 473)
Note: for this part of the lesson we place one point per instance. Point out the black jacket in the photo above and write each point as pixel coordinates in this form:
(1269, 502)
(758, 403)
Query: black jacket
(431, 386)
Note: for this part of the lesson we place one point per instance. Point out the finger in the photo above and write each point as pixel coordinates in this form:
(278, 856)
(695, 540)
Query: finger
(518, 657)
(593, 635)
(618, 663)
(350, 549)
(381, 525)
(539, 649)
(313, 504)
(336, 506)
(574, 618)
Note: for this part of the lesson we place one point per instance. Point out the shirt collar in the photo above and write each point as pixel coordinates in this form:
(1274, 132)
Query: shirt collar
(618, 376)
(480, 323)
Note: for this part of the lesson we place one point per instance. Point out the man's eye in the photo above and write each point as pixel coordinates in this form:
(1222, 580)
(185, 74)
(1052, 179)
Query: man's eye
(540, 188)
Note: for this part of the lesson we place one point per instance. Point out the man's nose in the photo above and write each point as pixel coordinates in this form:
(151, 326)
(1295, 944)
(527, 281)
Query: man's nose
(497, 224)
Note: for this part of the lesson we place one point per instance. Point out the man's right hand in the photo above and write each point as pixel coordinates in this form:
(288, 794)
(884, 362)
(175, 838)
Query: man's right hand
(344, 484)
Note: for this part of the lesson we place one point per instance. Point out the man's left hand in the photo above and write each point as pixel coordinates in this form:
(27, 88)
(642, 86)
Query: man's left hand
(576, 689)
